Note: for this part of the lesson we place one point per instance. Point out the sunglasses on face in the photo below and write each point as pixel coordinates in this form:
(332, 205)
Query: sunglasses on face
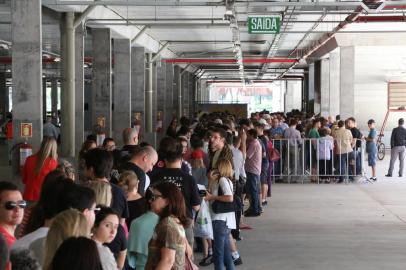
(10, 205)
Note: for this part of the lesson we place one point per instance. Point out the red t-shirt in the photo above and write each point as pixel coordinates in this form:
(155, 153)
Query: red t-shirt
(10, 239)
(32, 181)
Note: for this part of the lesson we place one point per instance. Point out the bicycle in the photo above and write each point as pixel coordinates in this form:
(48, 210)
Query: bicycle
(381, 147)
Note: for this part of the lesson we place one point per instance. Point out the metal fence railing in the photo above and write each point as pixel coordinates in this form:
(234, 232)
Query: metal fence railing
(318, 160)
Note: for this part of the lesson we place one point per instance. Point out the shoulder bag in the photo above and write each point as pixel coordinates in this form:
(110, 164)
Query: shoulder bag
(219, 207)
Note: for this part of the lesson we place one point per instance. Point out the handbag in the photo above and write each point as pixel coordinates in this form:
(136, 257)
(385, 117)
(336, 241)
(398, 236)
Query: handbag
(219, 207)
(275, 155)
(239, 186)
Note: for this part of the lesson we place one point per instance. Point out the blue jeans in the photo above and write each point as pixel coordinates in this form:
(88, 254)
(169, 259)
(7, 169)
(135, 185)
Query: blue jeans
(221, 246)
(253, 191)
(344, 166)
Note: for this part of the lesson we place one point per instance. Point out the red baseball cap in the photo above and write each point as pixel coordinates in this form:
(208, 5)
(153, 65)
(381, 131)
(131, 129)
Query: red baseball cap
(197, 154)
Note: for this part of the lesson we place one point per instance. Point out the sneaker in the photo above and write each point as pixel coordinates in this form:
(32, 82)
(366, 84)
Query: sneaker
(251, 214)
(237, 261)
(388, 175)
(373, 179)
(206, 261)
(264, 203)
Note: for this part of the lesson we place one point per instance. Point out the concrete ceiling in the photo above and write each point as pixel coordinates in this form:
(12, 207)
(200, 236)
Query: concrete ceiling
(196, 29)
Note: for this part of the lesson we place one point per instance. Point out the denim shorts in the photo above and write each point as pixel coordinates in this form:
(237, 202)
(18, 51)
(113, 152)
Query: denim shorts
(372, 159)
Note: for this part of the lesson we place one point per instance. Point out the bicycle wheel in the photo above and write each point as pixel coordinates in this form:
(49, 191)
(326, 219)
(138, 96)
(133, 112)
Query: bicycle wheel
(381, 151)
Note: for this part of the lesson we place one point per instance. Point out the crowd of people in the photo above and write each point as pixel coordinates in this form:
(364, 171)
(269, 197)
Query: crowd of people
(137, 207)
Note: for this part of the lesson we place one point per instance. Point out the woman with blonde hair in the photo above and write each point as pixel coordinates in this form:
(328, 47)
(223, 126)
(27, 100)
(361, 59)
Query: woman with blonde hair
(136, 203)
(222, 213)
(102, 191)
(66, 224)
(37, 166)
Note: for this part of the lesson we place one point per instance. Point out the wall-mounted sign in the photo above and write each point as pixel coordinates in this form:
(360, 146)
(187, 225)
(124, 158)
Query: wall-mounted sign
(101, 121)
(264, 24)
(26, 130)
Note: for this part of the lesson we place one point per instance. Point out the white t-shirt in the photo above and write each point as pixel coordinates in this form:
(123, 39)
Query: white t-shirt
(106, 257)
(227, 188)
(147, 182)
(25, 242)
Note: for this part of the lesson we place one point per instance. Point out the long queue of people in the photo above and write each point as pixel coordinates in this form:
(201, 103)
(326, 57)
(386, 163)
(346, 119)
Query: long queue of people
(143, 208)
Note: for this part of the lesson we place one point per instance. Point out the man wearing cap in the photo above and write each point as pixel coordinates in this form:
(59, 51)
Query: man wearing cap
(371, 148)
(266, 121)
(397, 144)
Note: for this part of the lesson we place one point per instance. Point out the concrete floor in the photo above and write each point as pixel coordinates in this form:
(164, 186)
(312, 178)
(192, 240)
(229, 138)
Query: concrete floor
(326, 226)
(329, 227)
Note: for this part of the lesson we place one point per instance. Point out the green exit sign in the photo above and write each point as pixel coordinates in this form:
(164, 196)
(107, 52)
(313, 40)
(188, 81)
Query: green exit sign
(264, 24)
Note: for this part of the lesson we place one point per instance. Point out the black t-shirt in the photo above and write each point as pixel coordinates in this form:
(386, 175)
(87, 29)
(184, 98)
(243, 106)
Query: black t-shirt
(125, 153)
(356, 134)
(129, 166)
(119, 201)
(136, 209)
(185, 182)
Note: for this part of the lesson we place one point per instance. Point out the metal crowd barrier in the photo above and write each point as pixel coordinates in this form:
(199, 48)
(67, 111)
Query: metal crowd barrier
(317, 160)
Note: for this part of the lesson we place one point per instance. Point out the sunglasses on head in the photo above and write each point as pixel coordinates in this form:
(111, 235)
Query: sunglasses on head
(10, 205)
(155, 196)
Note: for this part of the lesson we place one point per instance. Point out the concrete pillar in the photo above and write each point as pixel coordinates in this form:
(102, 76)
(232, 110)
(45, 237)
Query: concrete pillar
(150, 101)
(149, 95)
(4, 106)
(79, 88)
(138, 85)
(325, 87)
(198, 90)
(101, 82)
(170, 109)
(68, 90)
(54, 97)
(310, 89)
(44, 98)
(317, 87)
(177, 91)
(161, 94)
(289, 96)
(185, 94)
(27, 68)
(122, 86)
(347, 67)
(191, 94)
(88, 106)
(334, 83)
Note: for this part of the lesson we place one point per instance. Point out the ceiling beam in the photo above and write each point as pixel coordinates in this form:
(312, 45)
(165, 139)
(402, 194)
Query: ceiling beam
(138, 3)
(243, 3)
